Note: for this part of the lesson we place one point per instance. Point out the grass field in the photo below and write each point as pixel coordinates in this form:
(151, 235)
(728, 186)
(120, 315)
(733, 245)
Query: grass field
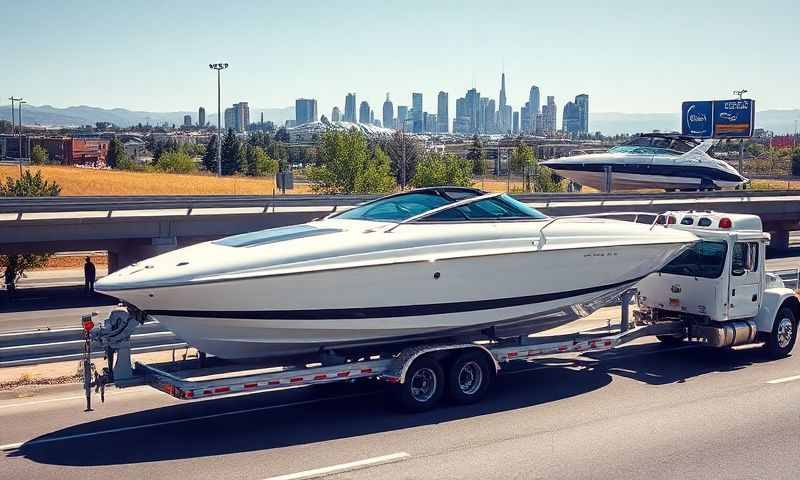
(80, 181)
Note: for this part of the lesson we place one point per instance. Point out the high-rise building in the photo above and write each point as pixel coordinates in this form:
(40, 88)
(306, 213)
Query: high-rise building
(534, 107)
(491, 117)
(442, 116)
(201, 117)
(582, 102)
(402, 117)
(473, 105)
(571, 119)
(237, 118)
(371, 116)
(516, 123)
(350, 108)
(430, 121)
(336, 115)
(388, 113)
(483, 106)
(363, 112)
(417, 115)
(187, 120)
(305, 111)
(539, 124)
(549, 116)
(525, 118)
(504, 114)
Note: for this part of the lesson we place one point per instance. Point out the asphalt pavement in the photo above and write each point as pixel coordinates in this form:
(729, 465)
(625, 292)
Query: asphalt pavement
(641, 411)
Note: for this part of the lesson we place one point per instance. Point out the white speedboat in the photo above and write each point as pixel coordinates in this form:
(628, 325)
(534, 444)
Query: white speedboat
(651, 160)
(431, 263)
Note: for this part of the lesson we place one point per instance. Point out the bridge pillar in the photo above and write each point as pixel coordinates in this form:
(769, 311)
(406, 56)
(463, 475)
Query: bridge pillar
(134, 252)
(779, 240)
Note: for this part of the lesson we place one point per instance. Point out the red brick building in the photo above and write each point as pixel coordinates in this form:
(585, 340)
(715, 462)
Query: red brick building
(74, 151)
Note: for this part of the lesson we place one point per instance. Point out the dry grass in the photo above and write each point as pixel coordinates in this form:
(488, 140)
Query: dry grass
(79, 181)
(775, 184)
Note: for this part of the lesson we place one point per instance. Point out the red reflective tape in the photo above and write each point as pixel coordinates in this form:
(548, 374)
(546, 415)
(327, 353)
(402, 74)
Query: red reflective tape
(222, 389)
(343, 374)
(562, 349)
(366, 370)
(274, 382)
(512, 354)
(321, 376)
(392, 379)
(207, 392)
(250, 385)
(608, 343)
(295, 379)
(188, 394)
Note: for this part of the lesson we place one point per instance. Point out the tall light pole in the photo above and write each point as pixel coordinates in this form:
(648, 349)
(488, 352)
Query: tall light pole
(19, 112)
(219, 67)
(13, 120)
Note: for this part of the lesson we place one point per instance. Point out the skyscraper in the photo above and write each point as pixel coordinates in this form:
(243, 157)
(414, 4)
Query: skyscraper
(571, 119)
(534, 105)
(350, 108)
(525, 118)
(504, 114)
(483, 106)
(388, 113)
(442, 116)
(336, 115)
(305, 111)
(491, 117)
(549, 116)
(402, 117)
(237, 118)
(201, 117)
(473, 106)
(363, 112)
(417, 120)
(187, 120)
(230, 119)
(515, 122)
(582, 102)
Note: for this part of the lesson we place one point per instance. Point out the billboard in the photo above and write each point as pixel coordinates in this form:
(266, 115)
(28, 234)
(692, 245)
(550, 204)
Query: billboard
(718, 118)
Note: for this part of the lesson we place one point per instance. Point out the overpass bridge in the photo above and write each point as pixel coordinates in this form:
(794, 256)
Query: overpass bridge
(132, 228)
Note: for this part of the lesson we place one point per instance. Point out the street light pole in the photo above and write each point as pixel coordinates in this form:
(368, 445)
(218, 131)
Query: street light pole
(219, 67)
(19, 112)
(12, 115)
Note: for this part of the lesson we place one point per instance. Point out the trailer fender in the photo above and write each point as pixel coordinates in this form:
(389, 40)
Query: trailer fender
(773, 300)
(400, 365)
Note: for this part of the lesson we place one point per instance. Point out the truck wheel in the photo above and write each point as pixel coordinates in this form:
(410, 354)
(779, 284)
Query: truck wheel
(784, 333)
(469, 378)
(669, 340)
(423, 386)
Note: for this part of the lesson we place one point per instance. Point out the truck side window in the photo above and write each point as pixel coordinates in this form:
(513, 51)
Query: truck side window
(745, 258)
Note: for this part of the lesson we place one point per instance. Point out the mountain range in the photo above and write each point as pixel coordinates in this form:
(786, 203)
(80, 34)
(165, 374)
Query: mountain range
(610, 123)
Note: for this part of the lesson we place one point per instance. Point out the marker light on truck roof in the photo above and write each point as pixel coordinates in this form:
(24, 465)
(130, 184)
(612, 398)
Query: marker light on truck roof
(725, 222)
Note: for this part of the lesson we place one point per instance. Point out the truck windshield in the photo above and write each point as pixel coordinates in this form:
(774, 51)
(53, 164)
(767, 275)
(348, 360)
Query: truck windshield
(704, 259)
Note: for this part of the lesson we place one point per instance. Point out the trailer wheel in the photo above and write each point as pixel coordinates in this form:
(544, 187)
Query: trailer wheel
(423, 386)
(784, 333)
(469, 378)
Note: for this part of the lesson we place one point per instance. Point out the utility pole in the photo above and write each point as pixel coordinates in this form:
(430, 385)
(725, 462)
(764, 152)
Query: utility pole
(12, 113)
(741, 140)
(219, 67)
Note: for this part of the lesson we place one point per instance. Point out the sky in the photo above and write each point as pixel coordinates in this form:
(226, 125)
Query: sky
(629, 56)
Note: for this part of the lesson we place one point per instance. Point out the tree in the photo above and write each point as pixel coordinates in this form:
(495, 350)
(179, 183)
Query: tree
(755, 149)
(477, 157)
(210, 155)
(796, 162)
(282, 135)
(403, 151)
(258, 162)
(523, 160)
(437, 169)
(116, 154)
(231, 153)
(27, 185)
(39, 155)
(175, 162)
(348, 166)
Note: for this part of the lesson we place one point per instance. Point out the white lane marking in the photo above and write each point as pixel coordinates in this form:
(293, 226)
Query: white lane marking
(785, 379)
(344, 467)
(181, 420)
(10, 446)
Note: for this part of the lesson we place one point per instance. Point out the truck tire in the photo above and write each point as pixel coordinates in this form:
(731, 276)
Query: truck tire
(784, 333)
(423, 386)
(469, 377)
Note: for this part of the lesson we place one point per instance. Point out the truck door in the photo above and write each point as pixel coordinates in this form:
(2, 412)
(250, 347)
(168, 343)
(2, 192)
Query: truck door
(745, 280)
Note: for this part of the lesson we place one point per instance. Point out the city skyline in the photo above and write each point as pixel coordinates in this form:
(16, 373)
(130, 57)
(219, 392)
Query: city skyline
(615, 66)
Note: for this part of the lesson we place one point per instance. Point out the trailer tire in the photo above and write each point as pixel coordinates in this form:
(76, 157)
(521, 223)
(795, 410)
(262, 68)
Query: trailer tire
(469, 377)
(423, 386)
(784, 334)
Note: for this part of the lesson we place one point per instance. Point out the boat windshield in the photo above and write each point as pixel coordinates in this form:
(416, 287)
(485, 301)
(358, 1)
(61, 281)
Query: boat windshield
(499, 208)
(651, 145)
(397, 208)
(272, 235)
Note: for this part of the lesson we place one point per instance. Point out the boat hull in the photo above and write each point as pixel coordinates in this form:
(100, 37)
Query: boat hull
(352, 308)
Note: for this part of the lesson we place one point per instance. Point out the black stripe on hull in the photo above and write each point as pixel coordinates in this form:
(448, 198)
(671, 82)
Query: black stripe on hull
(708, 174)
(390, 311)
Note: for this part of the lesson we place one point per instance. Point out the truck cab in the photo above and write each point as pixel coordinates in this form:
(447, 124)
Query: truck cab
(719, 285)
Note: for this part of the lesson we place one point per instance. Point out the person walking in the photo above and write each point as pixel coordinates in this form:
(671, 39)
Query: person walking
(90, 275)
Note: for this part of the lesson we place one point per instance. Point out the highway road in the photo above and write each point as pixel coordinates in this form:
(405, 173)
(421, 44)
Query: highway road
(641, 411)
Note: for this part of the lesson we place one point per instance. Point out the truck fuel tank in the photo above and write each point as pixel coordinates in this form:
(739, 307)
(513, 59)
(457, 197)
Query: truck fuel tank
(726, 334)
